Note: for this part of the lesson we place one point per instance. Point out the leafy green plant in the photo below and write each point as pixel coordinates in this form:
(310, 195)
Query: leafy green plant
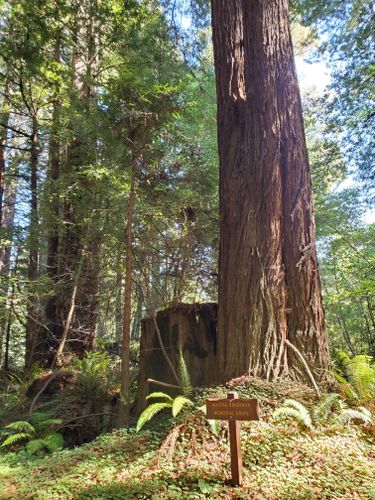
(184, 376)
(37, 433)
(176, 405)
(95, 375)
(356, 376)
(331, 410)
(297, 411)
(12, 391)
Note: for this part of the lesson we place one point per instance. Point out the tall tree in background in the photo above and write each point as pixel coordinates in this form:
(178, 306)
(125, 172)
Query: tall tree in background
(348, 46)
(271, 319)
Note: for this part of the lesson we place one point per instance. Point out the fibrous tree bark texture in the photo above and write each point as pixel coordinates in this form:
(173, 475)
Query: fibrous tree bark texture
(269, 285)
(73, 258)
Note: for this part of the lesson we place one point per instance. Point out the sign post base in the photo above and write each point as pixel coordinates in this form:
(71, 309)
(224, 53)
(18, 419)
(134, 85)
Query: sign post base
(233, 409)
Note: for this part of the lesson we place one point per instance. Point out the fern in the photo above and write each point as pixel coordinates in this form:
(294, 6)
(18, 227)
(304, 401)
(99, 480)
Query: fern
(324, 409)
(34, 432)
(184, 375)
(159, 395)
(48, 423)
(150, 412)
(295, 410)
(34, 446)
(178, 404)
(175, 404)
(53, 441)
(362, 375)
(356, 376)
(15, 438)
(95, 376)
(330, 410)
(21, 426)
(39, 416)
(346, 387)
(291, 403)
(348, 414)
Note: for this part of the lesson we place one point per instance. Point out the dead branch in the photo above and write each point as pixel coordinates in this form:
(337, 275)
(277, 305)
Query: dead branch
(303, 361)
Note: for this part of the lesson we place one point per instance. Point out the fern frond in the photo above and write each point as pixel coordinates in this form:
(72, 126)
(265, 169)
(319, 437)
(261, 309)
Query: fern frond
(150, 412)
(347, 389)
(302, 417)
(15, 438)
(48, 423)
(178, 404)
(325, 407)
(21, 426)
(35, 445)
(39, 416)
(362, 375)
(292, 403)
(184, 375)
(347, 415)
(159, 395)
(13, 377)
(53, 441)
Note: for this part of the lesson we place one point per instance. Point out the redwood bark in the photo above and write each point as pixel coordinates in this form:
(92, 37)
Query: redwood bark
(269, 285)
(74, 252)
(52, 321)
(78, 241)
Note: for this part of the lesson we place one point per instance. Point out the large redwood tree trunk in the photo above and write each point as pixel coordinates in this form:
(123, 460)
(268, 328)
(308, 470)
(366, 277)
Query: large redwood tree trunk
(74, 250)
(269, 286)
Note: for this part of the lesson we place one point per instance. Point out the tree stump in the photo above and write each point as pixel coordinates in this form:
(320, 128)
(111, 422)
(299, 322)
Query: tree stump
(189, 327)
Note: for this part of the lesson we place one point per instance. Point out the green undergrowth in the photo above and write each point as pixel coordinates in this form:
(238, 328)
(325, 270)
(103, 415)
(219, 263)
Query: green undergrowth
(184, 459)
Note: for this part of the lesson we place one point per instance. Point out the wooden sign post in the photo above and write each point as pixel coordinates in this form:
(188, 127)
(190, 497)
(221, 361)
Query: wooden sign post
(233, 409)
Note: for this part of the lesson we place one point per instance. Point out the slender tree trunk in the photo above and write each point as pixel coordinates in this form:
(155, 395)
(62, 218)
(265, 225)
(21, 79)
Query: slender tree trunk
(345, 333)
(9, 211)
(69, 319)
(371, 334)
(9, 319)
(118, 304)
(52, 322)
(3, 145)
(137, 316)
(32, 308)
(126, 322)
(269, 286)
(7, 229)
(53, 177)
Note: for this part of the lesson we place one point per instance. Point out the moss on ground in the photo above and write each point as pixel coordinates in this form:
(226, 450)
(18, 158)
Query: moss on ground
(188, 461)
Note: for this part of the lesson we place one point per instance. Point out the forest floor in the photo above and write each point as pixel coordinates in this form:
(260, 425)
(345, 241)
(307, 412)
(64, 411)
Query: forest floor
(183, 459)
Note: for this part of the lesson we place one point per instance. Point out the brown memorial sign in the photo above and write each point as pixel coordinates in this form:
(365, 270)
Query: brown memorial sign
(233, 409)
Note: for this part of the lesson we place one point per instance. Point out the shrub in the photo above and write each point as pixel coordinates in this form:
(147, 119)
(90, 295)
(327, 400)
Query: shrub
(176, 404)
(96, 376)
(331, 410)
(37, 433)
(356, 376)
